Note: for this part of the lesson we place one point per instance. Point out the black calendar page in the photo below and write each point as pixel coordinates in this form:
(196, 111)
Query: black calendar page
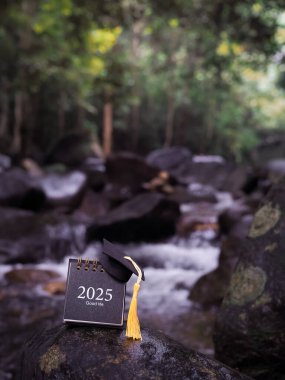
(93, 297)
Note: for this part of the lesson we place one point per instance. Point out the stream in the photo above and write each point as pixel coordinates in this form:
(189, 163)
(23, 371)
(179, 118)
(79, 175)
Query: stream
(171, 268)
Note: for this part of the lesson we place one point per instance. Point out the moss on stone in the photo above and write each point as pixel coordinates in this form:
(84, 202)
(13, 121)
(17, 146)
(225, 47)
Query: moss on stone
(271, 247)
(247, 284)
(262, 300)
(264, 220)
(52, 359)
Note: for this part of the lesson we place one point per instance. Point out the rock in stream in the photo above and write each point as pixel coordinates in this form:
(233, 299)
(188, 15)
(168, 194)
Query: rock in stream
(84, 353)
(146, 217)
(250, 330)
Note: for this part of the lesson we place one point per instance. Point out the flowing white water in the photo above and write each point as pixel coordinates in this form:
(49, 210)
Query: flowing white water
(171, 269)
(170, 273)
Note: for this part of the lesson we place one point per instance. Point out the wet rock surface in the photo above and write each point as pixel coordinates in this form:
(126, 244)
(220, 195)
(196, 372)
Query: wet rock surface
(211, 288)
(97, 353)
(234, 224)
(218, 173)
(146, 217)
(209, 170)
(175, 160)
(250, 327)
(93, 205)
(22, 311)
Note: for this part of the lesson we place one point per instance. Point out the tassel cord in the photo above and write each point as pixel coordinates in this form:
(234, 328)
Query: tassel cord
(133, 324)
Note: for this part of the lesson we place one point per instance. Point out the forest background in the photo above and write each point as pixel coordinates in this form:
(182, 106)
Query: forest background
(139, 75)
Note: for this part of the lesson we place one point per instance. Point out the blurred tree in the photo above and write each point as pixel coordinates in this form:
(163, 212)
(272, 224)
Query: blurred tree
(142, 73)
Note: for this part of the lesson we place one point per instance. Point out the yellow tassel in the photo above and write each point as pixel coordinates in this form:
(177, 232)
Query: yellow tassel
(133, 324)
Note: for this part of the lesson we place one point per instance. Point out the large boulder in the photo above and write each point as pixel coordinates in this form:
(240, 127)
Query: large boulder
(27, 238)
(215, 171)
(96, 353)
(146, 217)
(209, 170)
(175, 160)
(130, 171)
(250, 327)
(18, 189)
(93, 206)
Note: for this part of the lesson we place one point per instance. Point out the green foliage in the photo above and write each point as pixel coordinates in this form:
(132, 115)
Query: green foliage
(208, 64)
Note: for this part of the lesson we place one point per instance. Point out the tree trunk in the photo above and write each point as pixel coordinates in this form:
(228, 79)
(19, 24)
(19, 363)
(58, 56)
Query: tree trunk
(135, 121)
(61, 113)
(136, 93)
(210, 116)
(4, 118)
(169, 127)
(107, 128)
(21, 97)
(18, 119)
(30, 107)
(80, 118)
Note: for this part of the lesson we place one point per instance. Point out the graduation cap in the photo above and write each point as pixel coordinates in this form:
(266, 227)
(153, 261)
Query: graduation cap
(116, 264)
(121, 267)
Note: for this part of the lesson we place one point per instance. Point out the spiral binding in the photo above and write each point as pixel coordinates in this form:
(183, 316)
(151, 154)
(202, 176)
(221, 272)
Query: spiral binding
(88, 264)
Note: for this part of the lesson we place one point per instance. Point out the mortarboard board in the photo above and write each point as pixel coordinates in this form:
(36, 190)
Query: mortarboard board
(114, 262)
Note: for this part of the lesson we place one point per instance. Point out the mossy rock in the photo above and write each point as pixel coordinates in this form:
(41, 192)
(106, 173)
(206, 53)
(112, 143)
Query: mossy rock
(250, 328)
(85, 353)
